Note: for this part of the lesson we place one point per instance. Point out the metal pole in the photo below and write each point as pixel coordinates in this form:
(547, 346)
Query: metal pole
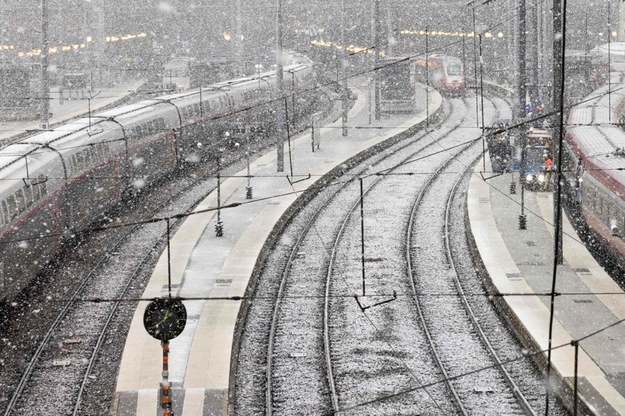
(219, 227)
(288, 135)
(534, 60)
(166, 399)
(521, 59)
(559, 13)
(44, 123)
(362, 236)
(239, 39)
(609, 64)
(477, 106)
(343, 72)
(376, 75)
(389, 30)
(280, 92)
(168, 260)
(427, 79)
(248, 188)
(482, 105)
(576, 345)
(557, 121)
(372, 82)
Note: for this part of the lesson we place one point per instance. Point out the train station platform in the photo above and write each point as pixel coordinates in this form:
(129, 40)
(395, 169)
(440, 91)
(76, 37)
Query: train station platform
(520, 263)
(204, 265)
(66, 109)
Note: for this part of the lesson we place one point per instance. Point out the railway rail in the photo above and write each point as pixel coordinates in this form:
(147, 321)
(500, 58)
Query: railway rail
(317, 339)
(70, 346)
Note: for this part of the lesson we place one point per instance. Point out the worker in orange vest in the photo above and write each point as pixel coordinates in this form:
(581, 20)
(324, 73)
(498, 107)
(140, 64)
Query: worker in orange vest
(547, 169)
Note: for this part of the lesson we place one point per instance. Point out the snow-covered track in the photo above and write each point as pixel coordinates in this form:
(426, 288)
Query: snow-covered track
(333, 350)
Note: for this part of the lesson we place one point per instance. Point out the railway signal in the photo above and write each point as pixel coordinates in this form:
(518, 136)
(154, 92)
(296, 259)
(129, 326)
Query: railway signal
(165, 319)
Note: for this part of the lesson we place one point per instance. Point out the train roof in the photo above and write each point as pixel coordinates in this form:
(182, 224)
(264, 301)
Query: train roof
(47, 136)
(601, 146)
(138, 108)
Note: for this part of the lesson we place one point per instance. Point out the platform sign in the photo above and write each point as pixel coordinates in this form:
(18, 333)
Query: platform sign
(316, 131)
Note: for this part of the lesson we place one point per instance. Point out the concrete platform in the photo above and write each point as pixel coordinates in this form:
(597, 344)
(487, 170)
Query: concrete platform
(208, 266)
(521, 262)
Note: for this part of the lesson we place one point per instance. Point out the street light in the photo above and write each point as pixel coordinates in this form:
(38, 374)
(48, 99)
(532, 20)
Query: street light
(219, 226)
(44, 122)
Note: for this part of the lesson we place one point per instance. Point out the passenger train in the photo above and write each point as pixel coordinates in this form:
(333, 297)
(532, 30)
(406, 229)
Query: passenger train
(445, 73)
(59, 182)
(594, 165)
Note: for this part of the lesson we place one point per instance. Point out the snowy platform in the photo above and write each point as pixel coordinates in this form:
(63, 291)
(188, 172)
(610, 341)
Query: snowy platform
(520, 262)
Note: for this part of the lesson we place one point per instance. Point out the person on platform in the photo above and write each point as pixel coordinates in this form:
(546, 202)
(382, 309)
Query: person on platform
(548, 167)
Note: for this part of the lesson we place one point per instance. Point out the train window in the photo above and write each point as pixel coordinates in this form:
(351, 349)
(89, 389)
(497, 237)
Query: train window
(99, 150)
(21, 201)
(93, 155)
(79, 160)
(87, 155)
(28, 195)
(36, 190)
(43, 187)
(4, 213)
(72, 164)
(161, 124)
(12, 207)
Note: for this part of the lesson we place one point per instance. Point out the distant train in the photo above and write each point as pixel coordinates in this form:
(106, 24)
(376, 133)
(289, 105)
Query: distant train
(58, 182)
(521, 149)
(445, 73)
(594, 166)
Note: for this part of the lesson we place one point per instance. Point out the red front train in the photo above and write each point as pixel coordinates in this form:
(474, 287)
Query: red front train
(445, 73)
(595, 151)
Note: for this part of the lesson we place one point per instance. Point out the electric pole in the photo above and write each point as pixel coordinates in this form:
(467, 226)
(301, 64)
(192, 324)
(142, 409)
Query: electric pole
(280, 92)
(521, 60)
(44, 108)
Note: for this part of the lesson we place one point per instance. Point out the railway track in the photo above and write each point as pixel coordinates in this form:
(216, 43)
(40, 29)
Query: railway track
(68, 350)
(319, 340)
(69, 339)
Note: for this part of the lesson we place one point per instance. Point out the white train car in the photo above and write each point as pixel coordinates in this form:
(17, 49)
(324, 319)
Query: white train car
(59, 182)
(595, 165)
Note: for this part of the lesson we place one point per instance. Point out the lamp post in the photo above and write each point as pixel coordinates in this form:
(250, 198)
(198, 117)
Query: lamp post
(248, 188)
(343, 72)
(280, 93)
(44, 123)
(376, 77)
(219, 226)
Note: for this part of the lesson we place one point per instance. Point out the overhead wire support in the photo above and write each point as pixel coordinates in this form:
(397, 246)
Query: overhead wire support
(44, 110)
(559, 15)
(280, 93)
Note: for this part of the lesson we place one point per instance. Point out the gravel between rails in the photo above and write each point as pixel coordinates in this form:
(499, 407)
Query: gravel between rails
(379, 357)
